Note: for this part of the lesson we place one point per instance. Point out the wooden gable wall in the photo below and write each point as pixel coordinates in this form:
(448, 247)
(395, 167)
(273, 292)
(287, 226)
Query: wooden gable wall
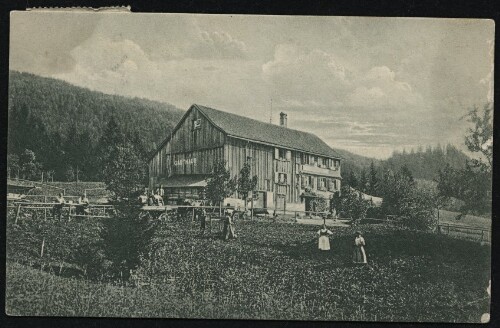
(188, 150)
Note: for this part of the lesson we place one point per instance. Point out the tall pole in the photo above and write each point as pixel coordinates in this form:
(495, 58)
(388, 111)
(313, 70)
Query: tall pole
(271, 116)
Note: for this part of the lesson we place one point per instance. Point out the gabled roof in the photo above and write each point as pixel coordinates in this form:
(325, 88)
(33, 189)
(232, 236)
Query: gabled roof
(247, 128)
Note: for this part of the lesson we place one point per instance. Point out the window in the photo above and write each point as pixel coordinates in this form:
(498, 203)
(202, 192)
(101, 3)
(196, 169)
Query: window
(282, 154)
(196, 128)
(333, 186)
(196, 124)
(305, 158)
(282, 178)
(307, 181)
(321, 183)
(268, 184)
(304, 180)
(248, 151)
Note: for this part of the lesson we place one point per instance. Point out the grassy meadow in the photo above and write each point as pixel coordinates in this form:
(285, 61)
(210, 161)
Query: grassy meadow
(273, 270)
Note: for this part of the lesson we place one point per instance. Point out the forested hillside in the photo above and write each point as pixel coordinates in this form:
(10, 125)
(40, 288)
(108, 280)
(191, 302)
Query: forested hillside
(63, 124)
(425, 164)
(422, 164)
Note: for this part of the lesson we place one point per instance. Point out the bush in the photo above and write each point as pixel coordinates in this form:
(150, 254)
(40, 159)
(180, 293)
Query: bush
(420, 211)
(415, 205)
(351, 204)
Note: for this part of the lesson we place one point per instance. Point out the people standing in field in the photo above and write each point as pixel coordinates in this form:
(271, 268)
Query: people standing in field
(203, 220)
(359, 254)
(324, 239)
(57, 209)
(143, 198)
(83, 204)
(228, 230)
(150, 198)
(158, 200)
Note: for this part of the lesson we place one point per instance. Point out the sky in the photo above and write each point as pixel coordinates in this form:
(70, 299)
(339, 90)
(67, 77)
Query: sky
(369, 85)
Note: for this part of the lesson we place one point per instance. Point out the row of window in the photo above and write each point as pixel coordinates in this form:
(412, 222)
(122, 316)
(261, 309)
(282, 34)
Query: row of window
(319, 183)
(309, 181)
(319, 161)
(286, 155)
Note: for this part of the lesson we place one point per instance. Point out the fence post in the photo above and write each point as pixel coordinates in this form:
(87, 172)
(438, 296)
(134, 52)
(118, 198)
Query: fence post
(43, 245)
(192, 218)
(17, 213)
(45, 214)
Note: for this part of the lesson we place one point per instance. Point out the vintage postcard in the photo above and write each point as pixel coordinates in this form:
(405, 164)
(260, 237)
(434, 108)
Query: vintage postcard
(249, 167)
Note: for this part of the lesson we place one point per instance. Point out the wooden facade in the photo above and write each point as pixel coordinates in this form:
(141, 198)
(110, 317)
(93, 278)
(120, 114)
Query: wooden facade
(196, 144)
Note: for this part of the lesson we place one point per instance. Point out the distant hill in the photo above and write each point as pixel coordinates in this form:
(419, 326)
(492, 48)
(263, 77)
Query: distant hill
(46, 114)
(425, 164)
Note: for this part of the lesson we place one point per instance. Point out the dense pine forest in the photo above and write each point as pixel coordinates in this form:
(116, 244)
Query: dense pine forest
(422, 164)
(62, 125)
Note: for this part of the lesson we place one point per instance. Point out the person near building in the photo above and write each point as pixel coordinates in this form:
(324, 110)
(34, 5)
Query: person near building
(359, 253)
(83, 205)
(203, 220)
(158, 199)
(228, 230)
(57, 209)
(324, 239)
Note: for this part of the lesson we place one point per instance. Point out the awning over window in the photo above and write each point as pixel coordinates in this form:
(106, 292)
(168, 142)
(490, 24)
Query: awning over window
(188, 181)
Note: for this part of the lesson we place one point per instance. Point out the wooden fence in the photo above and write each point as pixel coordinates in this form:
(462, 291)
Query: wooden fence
(468, 232)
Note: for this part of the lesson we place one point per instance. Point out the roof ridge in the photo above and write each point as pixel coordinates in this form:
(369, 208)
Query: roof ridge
(261, 122)
(219, 118)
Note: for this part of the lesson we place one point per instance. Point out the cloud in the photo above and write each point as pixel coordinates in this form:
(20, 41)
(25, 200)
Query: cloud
(217, 45)
(305, 77)
(112, 66)
(355, 82)
(316, 78)
(43, 46)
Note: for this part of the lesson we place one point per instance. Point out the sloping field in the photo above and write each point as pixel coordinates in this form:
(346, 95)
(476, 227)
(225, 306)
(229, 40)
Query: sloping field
(469, 220)
(273, 270)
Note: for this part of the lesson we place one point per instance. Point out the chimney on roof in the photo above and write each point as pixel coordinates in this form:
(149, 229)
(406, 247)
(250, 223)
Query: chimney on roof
(283, 119)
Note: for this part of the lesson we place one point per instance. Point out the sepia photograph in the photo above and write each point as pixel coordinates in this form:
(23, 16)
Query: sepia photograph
(258, 167)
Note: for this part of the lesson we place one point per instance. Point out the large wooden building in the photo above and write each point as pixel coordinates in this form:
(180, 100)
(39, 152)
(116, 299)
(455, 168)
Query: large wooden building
(291, 165)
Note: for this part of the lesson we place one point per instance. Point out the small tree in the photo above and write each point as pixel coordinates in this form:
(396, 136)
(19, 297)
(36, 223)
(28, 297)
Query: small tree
(416, 207)
(69, 174)
(13, 167)
(419, 211)
(472, 184)
(245, 183)
(30, 168)
(480, 136)
(352, 180)
(124, 170)
(363, 181)
(219, 184)
(373, 180)
(320, 204)
(352, 205)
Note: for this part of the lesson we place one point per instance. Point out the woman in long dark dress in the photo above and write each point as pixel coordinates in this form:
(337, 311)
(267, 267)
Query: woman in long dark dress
(359, 254)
